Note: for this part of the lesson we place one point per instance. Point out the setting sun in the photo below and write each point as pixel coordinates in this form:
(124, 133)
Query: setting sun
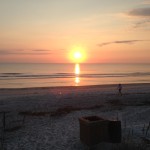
(77, 55)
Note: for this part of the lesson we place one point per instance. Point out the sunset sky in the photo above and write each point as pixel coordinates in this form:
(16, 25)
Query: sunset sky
(47, 31)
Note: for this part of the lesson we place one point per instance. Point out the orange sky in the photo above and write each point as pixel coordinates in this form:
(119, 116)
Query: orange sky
(46, 31)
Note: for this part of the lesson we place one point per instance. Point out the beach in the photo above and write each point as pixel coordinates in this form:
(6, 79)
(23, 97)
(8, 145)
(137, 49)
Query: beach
(50, 115)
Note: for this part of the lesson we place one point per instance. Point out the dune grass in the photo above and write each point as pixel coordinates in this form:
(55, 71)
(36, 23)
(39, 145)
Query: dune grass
(59, 111)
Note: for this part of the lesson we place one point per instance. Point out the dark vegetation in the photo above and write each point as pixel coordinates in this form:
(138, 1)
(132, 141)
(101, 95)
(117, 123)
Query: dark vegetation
(59, 111)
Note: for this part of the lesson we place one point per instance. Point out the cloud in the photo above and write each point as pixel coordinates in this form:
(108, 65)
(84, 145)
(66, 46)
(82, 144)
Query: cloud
(41, 50)
(140, 17)
(24, 52)
(140, 12)
(146, 2)
(142, 23)
(119, 42)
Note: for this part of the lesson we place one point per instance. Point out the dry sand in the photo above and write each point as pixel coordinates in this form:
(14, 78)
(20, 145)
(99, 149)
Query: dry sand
(51, 115)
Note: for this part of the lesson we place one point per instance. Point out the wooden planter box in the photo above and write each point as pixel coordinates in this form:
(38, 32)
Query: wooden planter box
(94, 130)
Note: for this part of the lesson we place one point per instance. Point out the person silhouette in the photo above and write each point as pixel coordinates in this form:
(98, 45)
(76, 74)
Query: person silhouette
(120, 89)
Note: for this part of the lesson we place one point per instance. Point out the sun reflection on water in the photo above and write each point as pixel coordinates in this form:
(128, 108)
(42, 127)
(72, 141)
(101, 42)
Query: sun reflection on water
(77, 73)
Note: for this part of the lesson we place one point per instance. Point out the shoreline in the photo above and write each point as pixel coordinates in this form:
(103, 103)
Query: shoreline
(83, 86)
(56, 97)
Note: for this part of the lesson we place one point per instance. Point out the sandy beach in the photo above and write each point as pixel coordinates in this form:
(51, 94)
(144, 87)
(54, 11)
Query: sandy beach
(50, 115)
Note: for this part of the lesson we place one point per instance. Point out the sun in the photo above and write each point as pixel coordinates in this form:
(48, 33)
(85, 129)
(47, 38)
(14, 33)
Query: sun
(77, 54)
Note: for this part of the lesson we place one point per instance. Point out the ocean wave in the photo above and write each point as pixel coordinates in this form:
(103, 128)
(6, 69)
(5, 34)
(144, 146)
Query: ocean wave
(7, 76)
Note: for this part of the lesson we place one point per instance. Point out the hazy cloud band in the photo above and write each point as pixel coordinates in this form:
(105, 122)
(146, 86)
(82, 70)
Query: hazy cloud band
(119, 42)
(143, 12)
(23, 52)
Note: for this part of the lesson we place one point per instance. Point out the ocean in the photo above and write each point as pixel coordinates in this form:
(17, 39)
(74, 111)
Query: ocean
(51, 75)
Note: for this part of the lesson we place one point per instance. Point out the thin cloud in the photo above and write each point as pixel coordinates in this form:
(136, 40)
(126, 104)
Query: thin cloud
(140, 12)
(23, 52)
(142, 23)
(41, 50)
(146, 2)
(119, 42)
(143, 14)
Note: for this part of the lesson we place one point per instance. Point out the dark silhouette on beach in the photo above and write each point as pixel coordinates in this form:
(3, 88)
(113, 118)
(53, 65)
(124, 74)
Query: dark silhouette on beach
(120, 89)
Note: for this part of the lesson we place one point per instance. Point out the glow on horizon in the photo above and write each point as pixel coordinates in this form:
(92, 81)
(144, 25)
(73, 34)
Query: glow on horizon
(45, 31)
